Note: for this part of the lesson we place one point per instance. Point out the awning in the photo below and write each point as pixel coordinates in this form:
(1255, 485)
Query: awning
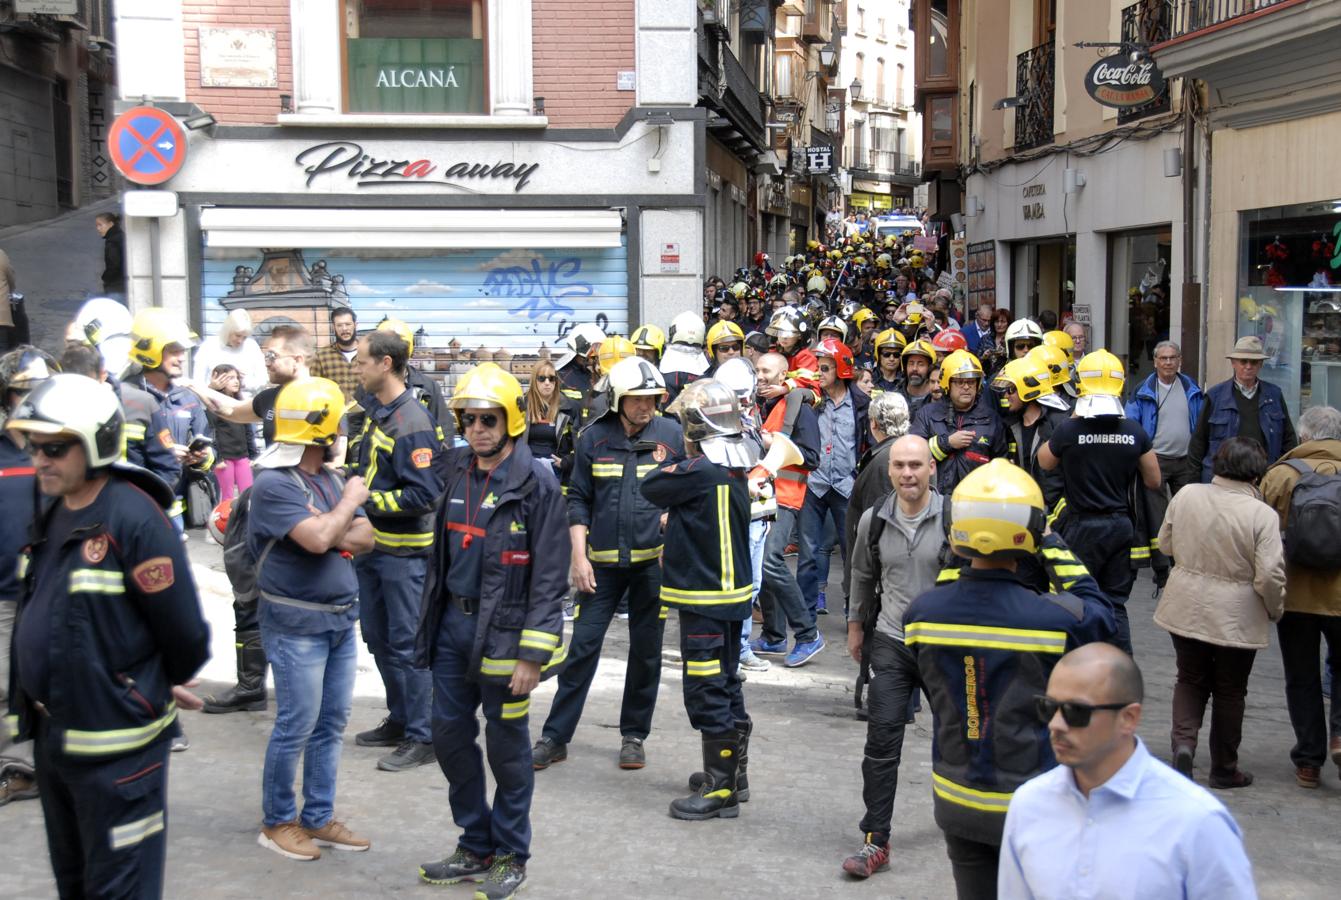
(410, 228)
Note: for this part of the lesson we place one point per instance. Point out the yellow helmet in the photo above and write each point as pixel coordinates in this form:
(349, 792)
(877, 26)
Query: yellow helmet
(1028, 375)
(959, 364)
(918, 347)
(996, 511)
(308, 411)
(835, 254)
(812, 245)
(487, 386)
(861, 316)
(890, 336)
(649, 337)
(153, 330)
(1100, 374)
(1051, 357)
(724, 333)
(613, 349)
(1063, 342)
(401, 330)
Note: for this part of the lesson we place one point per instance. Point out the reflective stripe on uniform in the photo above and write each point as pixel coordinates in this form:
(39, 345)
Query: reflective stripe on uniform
(97, 581)
(517, 709)
(724, 537)
(705, 598)
(538, 640)
(396, 539)
(12, 725)
(705, 668)
(988, 637)
(134, 431)
(645, 555)
(644, 469)
(665, 611)
(936, 452)
(177, 508)
(947, 575)
(385, 501)
(507, 666)
(602, 556)
(120, 740)
(132, 833)
(607, 470)
(986, 801)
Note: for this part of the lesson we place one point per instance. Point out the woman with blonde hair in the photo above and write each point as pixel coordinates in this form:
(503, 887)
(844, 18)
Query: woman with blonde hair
(545, 418)
(233, 345)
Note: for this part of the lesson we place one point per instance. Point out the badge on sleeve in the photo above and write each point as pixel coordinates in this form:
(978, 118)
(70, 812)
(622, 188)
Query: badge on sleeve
(422, 458)
(95, 549)
(659, 454)
(153, 575)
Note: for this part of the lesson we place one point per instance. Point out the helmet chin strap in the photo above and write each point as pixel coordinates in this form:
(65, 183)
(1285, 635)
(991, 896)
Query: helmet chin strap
(497, 449)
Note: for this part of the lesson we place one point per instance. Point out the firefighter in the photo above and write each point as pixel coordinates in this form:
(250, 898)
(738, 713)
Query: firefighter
(790, 330)
(1022, 336)
(888, 371)
(963, 433)
(985, 643)
(398, 457)
(577, 351)
(159, 344)
(1100, 453)
(650, 342)
(725, 341)
(1032, 413)
(708, 538)
(424, 389)
(918, 359)
(109, 623)
(492, 627)
(616, 549)
(1067, 345)
(683, 360)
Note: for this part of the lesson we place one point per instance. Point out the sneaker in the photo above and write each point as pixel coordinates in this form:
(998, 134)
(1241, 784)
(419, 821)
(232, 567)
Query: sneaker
(763, 647)
(460, 866)
(751, 663)
(547, 752)
(631, 753)
(804, 651)
(409, 755)
(1307, 776)
(506, 876)
(336, 834)
(790, 550)
(17, 780)
(289, 839)
(386, 734)
(872, 857)
(821, 604)
(180, 743)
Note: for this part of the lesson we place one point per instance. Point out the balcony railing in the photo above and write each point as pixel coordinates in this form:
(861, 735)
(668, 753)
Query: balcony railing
(1034, 73)
(882, 162)
(1146, 22)
(1187, 16)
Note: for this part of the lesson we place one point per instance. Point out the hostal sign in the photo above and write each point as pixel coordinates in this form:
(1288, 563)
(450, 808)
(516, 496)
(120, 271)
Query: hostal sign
(1118, 82)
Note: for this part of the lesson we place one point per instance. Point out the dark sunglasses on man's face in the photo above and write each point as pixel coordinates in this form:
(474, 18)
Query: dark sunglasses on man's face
(50, 449)
(1074, 713)
(888, 354)
(547, 378)
(488, 420)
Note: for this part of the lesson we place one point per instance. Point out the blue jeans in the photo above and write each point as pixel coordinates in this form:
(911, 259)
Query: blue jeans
(390, 589)
(314, 688)
(506, 826)
(815, 515)
(779, 595)
(758, 537)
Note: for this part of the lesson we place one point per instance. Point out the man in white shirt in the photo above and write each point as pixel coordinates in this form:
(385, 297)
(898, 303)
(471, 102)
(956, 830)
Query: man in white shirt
(1112, 821)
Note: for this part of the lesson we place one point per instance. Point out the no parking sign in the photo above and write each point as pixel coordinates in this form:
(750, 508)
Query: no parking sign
(147, 145)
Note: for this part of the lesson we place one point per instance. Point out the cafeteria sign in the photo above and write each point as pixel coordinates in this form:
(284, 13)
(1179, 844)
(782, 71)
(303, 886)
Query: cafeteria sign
(1118, 82)
(416, 75)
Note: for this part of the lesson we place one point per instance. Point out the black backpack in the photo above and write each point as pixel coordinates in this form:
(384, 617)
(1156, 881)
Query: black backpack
(1314, 523)
(240, 564)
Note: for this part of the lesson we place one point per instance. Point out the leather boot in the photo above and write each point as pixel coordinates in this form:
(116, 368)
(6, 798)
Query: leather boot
(743, 729)
(716, 798)
(249, 692)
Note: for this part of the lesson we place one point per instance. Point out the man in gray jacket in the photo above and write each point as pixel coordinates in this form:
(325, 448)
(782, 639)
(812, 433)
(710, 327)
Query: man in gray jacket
(905, 563)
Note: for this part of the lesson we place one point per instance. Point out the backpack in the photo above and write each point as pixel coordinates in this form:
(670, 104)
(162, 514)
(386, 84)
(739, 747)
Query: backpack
(1314, 523)
(240, 564)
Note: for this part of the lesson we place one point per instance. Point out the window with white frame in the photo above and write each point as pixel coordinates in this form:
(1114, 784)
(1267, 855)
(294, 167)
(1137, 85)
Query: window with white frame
(415, 56)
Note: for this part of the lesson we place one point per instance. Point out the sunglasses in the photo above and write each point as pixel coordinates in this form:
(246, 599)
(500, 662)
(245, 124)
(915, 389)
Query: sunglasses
(826, 369)
(1074, 713)
(547, 378)
(888, 354)
(50, 449)
(270, 356)
(488, 420)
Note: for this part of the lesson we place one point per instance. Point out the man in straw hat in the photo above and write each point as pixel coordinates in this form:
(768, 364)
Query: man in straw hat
(1242, 406)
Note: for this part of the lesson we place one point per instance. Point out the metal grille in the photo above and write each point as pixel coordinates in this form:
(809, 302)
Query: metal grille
(1146, 23)
(1034, 72)
(1194, 15)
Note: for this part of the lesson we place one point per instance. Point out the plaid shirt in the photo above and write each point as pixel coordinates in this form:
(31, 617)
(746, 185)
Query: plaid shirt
(330, 363)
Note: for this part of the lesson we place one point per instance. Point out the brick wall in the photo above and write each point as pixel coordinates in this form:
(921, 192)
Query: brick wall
(580, 45)
(238, 105)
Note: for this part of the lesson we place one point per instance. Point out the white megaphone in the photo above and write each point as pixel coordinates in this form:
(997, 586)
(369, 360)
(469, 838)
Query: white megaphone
(781, 452)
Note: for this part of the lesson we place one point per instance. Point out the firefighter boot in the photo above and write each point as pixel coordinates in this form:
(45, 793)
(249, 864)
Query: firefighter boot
(743, 729)
(717, 796)
(249, 692)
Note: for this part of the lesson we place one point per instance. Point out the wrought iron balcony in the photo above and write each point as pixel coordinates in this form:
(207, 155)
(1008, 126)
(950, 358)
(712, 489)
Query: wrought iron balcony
(1188, 16)
(892, 163)
(1034, 84)
(1146, 22)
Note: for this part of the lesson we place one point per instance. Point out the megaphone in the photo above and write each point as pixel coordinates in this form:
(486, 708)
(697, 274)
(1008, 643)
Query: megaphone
(781, 453)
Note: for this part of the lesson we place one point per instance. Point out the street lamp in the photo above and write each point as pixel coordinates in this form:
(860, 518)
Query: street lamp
(855, 89)
(826, 55)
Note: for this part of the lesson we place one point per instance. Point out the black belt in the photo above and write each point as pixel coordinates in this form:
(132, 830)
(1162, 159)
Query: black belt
(468, 605)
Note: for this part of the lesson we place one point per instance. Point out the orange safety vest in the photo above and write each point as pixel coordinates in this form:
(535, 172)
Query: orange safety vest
(790, 484)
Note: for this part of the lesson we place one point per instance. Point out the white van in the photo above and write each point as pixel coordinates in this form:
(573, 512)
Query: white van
(896, 226)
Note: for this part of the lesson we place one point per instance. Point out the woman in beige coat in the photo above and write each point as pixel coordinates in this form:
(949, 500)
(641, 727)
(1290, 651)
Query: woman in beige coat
(1226, 587)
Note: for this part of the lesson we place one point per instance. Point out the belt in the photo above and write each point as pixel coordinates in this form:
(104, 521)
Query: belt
(335, 608)
(468, 605)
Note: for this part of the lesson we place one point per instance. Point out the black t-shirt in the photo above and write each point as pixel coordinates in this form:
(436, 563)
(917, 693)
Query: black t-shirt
(32, 643)
(1100, 457)
(469, 509)
(263, 405)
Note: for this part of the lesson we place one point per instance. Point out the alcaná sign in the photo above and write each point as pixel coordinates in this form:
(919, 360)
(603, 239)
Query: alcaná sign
(1118, 82)
(416, 75)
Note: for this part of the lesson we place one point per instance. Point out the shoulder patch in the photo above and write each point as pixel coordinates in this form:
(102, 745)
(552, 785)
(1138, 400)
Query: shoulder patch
(95, 549)
(153, 575)
(659, 454)
(165, 438)
(422, 458)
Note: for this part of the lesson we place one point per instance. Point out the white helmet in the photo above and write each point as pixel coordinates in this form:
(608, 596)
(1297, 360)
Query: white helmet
(579, 342)
(1024, 330)
(686, 328)
(77, 406)
(833, 323)
(105, 324)
(634, 376)
(737, 373)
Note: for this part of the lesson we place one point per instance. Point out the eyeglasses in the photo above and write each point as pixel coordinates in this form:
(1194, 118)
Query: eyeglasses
(1167, 358)
(888, 354)
(50, 449)
(488, 420)
(826, 369)
(270, 356)
(547, 378)
(1074, 713)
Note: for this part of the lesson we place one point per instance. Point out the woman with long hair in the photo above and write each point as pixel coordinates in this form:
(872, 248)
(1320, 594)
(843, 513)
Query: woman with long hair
(544, 398)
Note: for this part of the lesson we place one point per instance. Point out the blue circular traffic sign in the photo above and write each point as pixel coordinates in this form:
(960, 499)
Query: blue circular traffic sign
(147, 145)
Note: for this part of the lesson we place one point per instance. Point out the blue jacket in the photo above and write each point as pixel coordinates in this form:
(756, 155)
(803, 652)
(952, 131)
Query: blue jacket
(399, 456)
(18, 498)
(523, 578)
(1143, 407)
(938, 420)
(1219, 420)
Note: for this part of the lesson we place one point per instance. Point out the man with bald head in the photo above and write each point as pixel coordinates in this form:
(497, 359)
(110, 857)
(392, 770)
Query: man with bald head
(1111, 820)
(896, 556)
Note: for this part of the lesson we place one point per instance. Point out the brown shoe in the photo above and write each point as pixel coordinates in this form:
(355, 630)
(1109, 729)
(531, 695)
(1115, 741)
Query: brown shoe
(336, 834)
(1307, 776)
(1237, 779)
(289, 839)
(1335, 749)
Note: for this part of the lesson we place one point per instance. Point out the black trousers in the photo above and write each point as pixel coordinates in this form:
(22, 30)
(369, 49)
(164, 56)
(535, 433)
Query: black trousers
(1218, 675)
(106, 822)
(1300, 637)
(974, 865)
(894, 681)
(1103, 544)
(710, 649)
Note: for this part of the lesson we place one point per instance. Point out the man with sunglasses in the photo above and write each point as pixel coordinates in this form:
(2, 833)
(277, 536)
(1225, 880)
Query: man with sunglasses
(287, 350)
(1111, 820)
(985, 641)
(108, 625)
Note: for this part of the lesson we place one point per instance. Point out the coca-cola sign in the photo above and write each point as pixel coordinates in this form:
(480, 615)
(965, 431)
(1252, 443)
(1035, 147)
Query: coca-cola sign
(1118, 82)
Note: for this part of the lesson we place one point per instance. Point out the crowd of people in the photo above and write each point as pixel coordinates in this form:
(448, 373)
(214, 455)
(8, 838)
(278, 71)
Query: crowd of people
(991, 486)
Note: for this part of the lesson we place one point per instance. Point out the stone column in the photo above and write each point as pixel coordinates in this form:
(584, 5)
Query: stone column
(316, 57)
(510, 77)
